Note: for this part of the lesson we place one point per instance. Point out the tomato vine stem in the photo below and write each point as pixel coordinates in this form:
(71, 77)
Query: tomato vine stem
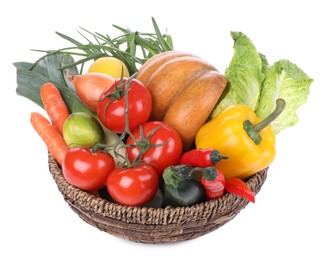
(143, 144)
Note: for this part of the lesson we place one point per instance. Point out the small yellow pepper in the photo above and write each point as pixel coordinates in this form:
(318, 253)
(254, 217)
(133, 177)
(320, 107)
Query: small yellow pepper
(238, 133)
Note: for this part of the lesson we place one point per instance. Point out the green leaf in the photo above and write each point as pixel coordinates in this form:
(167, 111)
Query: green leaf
(81, 61)
(283, 80)
(160, 38)
(53, 64)
(169, 41)
(72, 70)
(30, 81)
(28, 85)
(131, 43)
(75, 42)
(27, 66)
(149, 43)
(245, 74)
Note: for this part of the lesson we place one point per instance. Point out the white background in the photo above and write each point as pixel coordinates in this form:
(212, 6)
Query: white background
(287, 220)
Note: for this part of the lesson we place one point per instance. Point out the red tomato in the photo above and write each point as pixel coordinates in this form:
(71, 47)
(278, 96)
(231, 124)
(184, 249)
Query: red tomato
(111, 107)
(166, 145)
(132, 186)
(86, 170)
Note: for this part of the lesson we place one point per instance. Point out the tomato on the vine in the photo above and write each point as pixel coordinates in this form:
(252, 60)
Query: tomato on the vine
(111, 106)
(160, 145)
(85, 169)
(132, 186)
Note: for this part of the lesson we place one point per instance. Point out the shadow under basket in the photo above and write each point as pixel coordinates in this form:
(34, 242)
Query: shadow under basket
(153, 225)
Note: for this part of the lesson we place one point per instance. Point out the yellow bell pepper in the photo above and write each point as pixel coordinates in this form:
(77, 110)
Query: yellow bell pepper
(238, 133)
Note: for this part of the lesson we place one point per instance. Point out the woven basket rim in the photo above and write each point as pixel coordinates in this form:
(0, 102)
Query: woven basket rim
(92, 206)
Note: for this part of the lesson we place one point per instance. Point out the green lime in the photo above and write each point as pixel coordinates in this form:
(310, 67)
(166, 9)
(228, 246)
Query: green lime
(81, 129)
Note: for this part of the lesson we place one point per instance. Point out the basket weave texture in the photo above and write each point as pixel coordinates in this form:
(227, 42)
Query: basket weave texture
(153, 225)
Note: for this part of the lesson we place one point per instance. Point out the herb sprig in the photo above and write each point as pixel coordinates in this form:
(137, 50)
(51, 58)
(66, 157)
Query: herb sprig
(132, 47)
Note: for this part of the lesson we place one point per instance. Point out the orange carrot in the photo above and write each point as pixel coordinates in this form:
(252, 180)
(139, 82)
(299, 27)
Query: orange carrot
(54, 105)
(51, 137)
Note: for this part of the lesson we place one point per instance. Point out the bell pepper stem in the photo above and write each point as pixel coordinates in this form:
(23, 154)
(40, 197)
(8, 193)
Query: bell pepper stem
(280, 105)
(253, 131)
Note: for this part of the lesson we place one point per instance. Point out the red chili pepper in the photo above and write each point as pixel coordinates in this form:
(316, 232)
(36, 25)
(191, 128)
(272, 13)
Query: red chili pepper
(239, 187)
(213, 182)
(201, 157)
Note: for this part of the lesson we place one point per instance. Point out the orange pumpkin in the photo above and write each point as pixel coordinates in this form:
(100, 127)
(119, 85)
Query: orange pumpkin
(184, 90)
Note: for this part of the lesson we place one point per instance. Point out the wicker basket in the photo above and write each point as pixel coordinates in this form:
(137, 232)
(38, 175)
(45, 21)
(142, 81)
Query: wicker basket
(152, 225)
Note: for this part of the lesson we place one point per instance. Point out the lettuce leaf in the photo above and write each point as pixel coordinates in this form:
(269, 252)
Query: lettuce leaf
(245, 75)
(283, 80)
